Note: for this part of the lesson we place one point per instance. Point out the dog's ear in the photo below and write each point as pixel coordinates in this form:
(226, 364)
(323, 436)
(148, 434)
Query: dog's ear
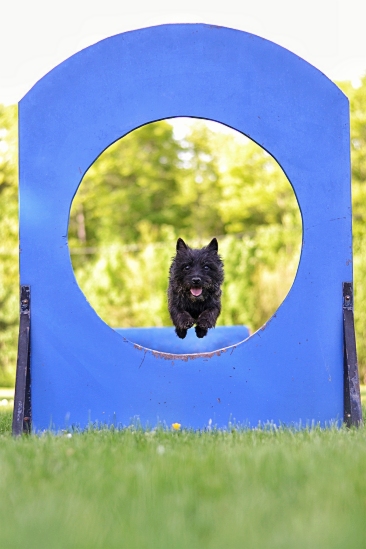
(181, 245)
(213, 245)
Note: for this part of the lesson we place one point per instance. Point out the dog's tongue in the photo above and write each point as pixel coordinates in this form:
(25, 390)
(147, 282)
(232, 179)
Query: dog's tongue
(196, 291)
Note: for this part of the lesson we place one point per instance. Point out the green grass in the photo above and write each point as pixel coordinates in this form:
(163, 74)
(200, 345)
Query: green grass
(173, 490)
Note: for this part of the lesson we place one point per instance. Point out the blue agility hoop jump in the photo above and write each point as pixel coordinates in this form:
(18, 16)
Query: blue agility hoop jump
(292, 371)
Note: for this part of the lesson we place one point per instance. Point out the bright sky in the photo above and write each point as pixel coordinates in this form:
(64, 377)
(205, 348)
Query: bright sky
(36, 35)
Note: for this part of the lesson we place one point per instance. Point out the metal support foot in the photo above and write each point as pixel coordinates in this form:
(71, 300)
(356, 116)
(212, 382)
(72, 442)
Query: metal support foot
(352, 396)
(22, 414)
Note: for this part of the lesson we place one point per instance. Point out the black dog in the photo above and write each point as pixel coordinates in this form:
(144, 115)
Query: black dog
(194, 293)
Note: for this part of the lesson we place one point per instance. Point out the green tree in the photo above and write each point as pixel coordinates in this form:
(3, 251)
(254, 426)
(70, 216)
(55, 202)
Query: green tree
(199, 191)
(357, 97)
(8, 244)
(129, 192)
(217, 183)
(145, 186)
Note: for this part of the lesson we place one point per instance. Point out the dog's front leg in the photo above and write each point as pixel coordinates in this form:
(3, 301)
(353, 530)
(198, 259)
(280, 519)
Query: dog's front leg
(207, 319)
(182, 321)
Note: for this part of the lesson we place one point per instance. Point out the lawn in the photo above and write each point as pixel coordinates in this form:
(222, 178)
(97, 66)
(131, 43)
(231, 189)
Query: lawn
(173, 490)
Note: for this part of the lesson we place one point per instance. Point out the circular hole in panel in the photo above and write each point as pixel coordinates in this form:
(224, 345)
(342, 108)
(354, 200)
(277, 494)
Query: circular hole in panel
(194, 179)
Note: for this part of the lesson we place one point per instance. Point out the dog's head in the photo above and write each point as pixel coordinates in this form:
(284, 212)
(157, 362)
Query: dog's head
(197, 272)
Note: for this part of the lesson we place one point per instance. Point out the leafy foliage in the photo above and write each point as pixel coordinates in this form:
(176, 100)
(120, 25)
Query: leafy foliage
(8, 243)
(357, 97)
(216, 183)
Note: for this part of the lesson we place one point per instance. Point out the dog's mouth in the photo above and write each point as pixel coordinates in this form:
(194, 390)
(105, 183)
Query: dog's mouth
(196, 291)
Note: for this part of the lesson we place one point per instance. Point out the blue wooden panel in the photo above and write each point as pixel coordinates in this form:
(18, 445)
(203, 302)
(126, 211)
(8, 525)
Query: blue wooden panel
(289, 371)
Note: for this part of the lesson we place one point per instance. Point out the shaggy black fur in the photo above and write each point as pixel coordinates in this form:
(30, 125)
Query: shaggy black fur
(194, 292)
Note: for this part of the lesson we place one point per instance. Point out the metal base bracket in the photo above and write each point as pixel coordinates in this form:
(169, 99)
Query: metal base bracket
(352, 396)
(22, 414)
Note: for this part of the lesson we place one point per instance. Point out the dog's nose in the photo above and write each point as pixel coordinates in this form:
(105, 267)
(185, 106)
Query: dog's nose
(196, 280)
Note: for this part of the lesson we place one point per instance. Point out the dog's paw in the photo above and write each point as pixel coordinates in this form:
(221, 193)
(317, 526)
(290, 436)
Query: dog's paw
(181, 332)
(185, 321)
(204, 324)
(207, 319)
(201, 332)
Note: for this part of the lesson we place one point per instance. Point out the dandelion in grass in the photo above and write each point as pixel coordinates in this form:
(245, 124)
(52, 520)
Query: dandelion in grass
(176, 426)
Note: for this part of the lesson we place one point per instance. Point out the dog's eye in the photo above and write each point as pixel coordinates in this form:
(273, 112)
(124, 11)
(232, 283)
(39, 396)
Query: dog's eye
(187, 267)
(206, 267)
